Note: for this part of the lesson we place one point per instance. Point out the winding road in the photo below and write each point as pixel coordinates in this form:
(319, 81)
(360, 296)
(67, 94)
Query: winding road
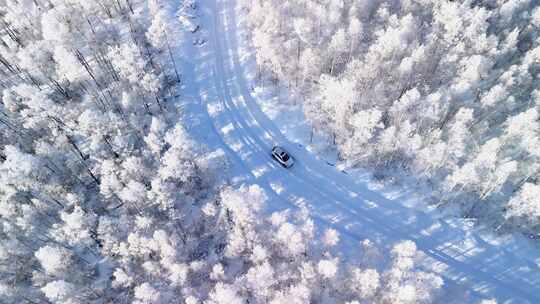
(227, 116)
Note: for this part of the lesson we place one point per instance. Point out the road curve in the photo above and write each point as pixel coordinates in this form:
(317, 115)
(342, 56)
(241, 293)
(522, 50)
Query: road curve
(335, 199)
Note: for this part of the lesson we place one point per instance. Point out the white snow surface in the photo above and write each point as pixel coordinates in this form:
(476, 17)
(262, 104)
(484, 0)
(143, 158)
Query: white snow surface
(223, 109)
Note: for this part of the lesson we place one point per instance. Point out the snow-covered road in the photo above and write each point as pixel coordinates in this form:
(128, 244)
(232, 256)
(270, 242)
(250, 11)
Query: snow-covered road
(227, 116)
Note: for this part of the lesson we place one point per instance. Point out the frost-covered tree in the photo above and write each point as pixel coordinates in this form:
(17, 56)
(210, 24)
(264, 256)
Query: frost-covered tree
(444, 90)
(74, 164)
(282, 258)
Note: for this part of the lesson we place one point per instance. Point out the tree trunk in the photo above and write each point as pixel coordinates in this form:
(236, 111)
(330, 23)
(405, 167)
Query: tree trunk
(178, 80)
(128, 2)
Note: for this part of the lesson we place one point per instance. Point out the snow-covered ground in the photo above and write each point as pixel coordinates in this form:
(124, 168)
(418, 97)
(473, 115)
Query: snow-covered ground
(227, 110)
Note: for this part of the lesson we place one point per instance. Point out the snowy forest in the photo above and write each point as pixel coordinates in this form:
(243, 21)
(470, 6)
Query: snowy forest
(444, 91)
(105, 197)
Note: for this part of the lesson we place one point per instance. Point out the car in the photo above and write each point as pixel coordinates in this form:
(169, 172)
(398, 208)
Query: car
(282, 156)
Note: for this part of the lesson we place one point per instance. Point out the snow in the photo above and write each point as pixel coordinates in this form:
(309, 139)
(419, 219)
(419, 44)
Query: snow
(59, 291)
(225, 294)
(228, 110)
(327, 268)
(53, 259)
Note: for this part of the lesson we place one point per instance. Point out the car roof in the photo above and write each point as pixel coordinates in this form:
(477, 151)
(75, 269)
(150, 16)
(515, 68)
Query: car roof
(280, 150)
